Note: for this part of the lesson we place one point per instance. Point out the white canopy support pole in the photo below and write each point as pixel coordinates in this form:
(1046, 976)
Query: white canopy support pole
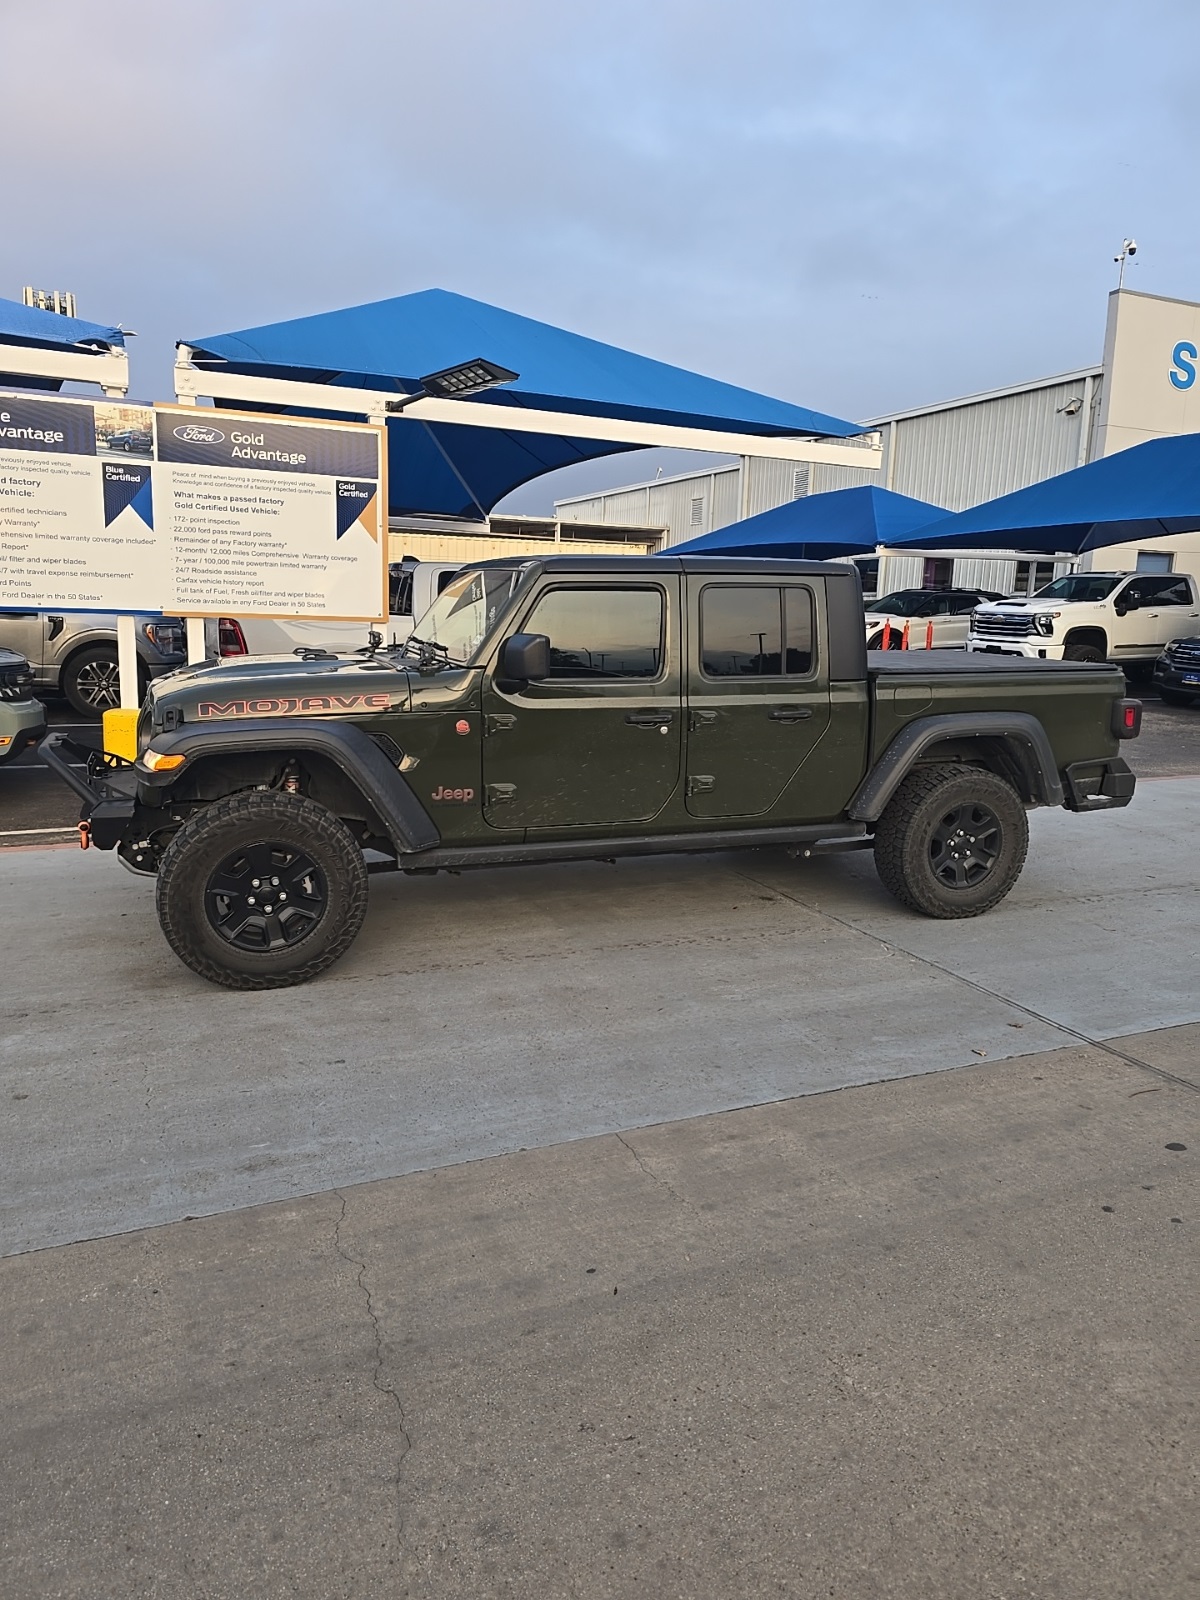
(196, 648)
(127, 663)
(228, 388)
(108, 368)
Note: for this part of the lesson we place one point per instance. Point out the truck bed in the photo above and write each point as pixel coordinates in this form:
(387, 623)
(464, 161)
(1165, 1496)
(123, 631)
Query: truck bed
(959, 663)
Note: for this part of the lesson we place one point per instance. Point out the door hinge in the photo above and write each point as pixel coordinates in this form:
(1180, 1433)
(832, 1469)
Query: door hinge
(500, 794)
(701, 783)
(498, 722)
(700, 719)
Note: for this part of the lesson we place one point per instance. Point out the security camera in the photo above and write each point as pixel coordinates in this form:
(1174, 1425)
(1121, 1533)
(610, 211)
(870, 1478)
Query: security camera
(1131, 246)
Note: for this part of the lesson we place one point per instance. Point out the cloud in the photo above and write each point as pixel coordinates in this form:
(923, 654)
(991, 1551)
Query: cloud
(857, 208)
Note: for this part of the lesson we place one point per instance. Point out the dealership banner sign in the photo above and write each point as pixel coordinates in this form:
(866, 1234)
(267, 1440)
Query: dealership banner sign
(106, 506)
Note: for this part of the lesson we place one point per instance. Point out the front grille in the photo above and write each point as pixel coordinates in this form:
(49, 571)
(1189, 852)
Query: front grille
(1186, 654)
(993, 625)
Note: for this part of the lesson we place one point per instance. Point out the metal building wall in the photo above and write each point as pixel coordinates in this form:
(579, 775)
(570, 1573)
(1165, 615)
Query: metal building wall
(958, 456)
(954, 455)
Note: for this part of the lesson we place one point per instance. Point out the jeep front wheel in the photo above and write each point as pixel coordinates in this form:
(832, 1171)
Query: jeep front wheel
(261, 891)
(952, 841)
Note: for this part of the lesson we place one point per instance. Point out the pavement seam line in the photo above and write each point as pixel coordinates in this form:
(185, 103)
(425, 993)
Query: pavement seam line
(649, 1170)
(377, 1381)
(980, 988)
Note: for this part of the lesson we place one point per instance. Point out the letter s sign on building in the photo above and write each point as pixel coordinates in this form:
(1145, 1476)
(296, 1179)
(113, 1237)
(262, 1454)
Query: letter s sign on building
(1183, 371)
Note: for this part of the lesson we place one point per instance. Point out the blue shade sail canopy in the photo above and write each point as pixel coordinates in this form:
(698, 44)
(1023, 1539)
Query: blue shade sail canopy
(820, 526)
(47, 330)
(448, 469)
(1145, 492)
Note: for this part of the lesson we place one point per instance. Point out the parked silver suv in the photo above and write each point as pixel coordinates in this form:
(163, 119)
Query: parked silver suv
(75, 653)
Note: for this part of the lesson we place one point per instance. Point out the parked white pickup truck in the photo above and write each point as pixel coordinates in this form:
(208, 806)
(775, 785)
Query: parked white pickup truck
(412, 589)
(1091, 616)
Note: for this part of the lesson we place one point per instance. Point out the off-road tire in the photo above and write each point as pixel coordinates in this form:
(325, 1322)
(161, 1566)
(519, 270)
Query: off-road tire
(907, 837)
(1084, 652)
(1176, 697)
(210, 838)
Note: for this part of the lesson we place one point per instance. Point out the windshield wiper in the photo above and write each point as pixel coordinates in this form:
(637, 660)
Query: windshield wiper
(432, 651)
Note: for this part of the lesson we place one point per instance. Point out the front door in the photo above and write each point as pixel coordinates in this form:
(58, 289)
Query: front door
(598, 742)
(757, 699)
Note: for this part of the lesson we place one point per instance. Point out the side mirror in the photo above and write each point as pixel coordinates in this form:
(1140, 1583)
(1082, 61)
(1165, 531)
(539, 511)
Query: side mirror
(525, 657)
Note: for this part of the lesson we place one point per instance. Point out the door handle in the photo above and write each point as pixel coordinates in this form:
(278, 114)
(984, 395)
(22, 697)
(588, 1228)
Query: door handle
(650, 719)
(792, 714)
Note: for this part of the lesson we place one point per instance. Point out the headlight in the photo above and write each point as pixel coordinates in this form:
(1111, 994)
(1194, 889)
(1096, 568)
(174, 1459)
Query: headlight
(166, 637)
(1044, 622)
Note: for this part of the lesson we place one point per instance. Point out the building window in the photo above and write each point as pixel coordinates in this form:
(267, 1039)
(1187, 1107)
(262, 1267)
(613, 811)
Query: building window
(601, 633)
(1155, 561)
(1032, 576)
(697, 516)
(750, 632)
(800, 480)
(938, 573)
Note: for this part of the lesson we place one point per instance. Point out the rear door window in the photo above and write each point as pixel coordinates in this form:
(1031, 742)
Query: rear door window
(751, 632)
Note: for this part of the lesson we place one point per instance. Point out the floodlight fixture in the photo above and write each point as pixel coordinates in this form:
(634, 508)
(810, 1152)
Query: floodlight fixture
(455, 383)
(469, 377)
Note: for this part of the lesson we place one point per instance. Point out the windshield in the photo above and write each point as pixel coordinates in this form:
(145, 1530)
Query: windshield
(1081, 586)
(904, 603)
(465, 612)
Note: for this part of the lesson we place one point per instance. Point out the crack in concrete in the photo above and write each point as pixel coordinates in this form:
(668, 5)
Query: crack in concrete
(377, 1379)
(981, 988)
(649, 1170)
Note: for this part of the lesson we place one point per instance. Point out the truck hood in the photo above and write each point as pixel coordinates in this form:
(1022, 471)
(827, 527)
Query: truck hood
(280, 686)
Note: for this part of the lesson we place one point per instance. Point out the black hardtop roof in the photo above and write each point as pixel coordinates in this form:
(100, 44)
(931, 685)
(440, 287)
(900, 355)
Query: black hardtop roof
(669, 563)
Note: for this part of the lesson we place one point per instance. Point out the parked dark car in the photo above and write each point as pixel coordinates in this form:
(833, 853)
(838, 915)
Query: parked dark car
(134, 441)
(22, 718)
(1177, 672)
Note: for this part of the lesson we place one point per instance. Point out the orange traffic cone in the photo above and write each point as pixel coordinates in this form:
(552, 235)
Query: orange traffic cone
(886, 642)
(904, 636)
(929, 634)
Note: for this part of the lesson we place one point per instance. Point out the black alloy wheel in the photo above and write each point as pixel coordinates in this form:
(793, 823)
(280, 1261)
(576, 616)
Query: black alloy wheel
(261, 890)
(92, 682)
(951, 841)
(265, 897)
(965, 845)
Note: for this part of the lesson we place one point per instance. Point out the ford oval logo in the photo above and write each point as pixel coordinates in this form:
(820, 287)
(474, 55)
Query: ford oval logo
(198, 433)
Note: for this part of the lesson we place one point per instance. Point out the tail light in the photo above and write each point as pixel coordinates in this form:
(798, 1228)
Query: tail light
(231, 641)
(1127, 719)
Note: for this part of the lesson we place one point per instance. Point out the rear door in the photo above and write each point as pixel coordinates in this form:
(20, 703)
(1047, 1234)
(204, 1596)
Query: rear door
(1165, 610)
(757, 696)
(599, 741)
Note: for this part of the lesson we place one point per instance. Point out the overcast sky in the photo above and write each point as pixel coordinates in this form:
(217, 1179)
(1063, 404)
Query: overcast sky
(854, 207)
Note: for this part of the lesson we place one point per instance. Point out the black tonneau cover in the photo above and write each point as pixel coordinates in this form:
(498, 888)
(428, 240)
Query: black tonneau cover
(949, 663)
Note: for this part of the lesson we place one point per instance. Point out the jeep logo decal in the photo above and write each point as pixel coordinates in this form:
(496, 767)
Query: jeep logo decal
(463, 796)
(198, 433)
(295, 705)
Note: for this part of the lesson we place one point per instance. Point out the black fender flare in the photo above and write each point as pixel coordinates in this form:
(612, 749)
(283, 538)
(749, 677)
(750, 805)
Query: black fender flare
(408, 824)
(1019, 730)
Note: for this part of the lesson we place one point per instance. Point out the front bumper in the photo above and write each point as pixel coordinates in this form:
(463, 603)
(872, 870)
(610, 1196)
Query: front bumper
(1171, 677)
(106, 787)
(22, 723)
(1035, 648)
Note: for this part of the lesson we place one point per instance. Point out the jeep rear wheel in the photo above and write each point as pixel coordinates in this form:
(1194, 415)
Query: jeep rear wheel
(952, 841)
(262, 891)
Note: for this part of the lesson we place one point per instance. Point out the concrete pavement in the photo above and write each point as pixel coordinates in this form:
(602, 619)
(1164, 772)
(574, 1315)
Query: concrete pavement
(921, 1340)
(493, 1011)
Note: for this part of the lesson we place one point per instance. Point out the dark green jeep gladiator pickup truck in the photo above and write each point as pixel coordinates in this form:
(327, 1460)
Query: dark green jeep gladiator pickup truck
(577, 708)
